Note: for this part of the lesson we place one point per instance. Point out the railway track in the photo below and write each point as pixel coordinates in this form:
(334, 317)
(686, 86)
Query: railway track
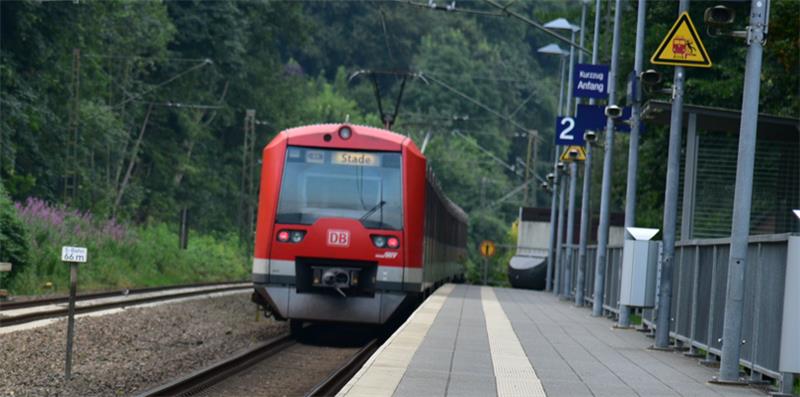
(339, 378)
(231, 375)
(214, 374)
(21, 312)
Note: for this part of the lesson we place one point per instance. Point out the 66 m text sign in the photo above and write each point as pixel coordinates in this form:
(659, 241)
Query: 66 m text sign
(567, 132)
(74, 254)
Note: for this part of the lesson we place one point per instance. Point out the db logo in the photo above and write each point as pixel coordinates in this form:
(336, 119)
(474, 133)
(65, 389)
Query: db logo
(339, 238)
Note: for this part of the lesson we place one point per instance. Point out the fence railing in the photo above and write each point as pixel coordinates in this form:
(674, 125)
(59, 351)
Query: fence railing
(698, 299)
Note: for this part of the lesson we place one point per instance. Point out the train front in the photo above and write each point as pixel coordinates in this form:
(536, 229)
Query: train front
(339, 232)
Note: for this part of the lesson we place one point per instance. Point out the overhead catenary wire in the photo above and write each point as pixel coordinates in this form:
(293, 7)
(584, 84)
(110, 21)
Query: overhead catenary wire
(478, 103)
(537, 25)
(451, 7)
(165, 82)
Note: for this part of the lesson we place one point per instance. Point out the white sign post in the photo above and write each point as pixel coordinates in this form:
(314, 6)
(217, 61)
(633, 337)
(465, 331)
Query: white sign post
(73, 256)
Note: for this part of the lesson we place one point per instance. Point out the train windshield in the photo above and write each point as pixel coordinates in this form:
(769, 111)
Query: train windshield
(323, 183)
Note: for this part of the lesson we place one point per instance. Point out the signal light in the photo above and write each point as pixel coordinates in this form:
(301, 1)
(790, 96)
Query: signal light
(283, 236)
(291, 236)
(393, 242)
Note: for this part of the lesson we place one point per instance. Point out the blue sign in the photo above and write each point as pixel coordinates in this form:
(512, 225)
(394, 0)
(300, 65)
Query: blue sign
(593, 117)
(590, 81)
(568, 132)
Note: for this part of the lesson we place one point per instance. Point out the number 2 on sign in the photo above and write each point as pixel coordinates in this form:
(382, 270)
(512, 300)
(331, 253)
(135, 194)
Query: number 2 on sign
(566, 133)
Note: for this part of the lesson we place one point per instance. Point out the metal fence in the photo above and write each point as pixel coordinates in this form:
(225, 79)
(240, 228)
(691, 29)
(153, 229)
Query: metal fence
(698, 299)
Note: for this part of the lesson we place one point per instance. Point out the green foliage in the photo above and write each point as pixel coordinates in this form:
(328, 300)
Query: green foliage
(14, 247)
(150, 257)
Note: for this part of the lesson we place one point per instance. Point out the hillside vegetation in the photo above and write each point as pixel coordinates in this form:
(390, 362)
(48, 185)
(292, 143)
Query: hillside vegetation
(164, 86)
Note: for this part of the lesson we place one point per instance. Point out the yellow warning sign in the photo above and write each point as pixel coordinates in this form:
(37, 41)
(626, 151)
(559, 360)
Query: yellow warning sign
(682, 46)
(573, 153)
(487, 248)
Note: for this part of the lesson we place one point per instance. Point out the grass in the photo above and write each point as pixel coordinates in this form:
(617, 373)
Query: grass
(635, 319)
(119, 256)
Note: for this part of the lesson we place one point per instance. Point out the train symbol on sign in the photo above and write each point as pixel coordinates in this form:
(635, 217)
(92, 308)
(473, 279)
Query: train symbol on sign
(682, 47)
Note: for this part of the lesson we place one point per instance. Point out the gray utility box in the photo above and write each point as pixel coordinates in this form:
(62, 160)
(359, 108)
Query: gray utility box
(790, 335)
(639, 268)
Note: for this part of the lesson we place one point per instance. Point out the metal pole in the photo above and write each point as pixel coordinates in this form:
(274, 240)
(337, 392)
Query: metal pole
(563, 110)
(561, 89)
(587, 181)
(73, 286)
(734, 298)
(560, 238)
(573, 172)
(573, 181)
(568, 109)
(605, 193)
(671, 205)
(551, 255)
(485, 270)
(633, 146)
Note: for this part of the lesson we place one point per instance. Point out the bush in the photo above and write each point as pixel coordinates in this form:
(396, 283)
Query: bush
(13, 238)
(120, 256)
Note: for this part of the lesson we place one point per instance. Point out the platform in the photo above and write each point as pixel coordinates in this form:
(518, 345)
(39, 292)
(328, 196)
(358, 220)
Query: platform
(479, 341)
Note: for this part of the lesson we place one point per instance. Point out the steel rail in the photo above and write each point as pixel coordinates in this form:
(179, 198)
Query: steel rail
(8, 305)
(221, 370)
(336, 380)
(62, 311)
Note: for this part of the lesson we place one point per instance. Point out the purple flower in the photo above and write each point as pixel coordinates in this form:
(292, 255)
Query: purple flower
(62, 226)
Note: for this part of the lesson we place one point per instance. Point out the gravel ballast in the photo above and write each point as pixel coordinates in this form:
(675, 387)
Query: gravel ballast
(130, 351)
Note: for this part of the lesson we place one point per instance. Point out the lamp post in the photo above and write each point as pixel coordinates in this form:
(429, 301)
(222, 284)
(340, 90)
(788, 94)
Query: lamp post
(554, 49)
(587, 180)
(564, 263)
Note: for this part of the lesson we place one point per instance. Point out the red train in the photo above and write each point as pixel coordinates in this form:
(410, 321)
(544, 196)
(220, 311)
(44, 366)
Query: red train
(351, 225)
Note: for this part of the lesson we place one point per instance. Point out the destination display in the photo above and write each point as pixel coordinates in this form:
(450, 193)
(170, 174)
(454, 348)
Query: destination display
(356, 158)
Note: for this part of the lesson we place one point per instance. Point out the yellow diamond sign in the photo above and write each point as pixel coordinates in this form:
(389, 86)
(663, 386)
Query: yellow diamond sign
(682, 46)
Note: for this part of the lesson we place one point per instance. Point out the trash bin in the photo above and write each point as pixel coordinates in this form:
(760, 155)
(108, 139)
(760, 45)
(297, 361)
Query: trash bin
(639, 269)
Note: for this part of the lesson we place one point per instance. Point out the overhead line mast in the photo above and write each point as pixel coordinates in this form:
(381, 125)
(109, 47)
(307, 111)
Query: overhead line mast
(387, 119)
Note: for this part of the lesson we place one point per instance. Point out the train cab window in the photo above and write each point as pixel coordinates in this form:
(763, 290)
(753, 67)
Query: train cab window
(324, 183)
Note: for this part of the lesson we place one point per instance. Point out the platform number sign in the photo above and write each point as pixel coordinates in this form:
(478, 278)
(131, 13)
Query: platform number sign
(567, 132)
(487, 248)
(74, 254)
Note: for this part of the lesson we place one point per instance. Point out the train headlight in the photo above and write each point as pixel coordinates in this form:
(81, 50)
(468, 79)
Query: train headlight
(345, 133)
(379, 241)
(297, 236)
(393, 242)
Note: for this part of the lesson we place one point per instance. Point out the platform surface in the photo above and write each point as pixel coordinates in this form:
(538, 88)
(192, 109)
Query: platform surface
(479, 341)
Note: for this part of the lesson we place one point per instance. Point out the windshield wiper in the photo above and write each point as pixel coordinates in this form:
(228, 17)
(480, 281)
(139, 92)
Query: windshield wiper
(372, 210)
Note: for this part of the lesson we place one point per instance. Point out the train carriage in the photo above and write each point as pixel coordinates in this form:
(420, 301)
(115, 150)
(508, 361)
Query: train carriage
(350, 226)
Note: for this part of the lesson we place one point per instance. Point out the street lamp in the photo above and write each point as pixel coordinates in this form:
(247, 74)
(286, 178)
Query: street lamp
(554, 49)
(563, 24)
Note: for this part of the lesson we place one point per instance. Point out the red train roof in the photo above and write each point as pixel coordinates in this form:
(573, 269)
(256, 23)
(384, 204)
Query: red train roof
(363, 137)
